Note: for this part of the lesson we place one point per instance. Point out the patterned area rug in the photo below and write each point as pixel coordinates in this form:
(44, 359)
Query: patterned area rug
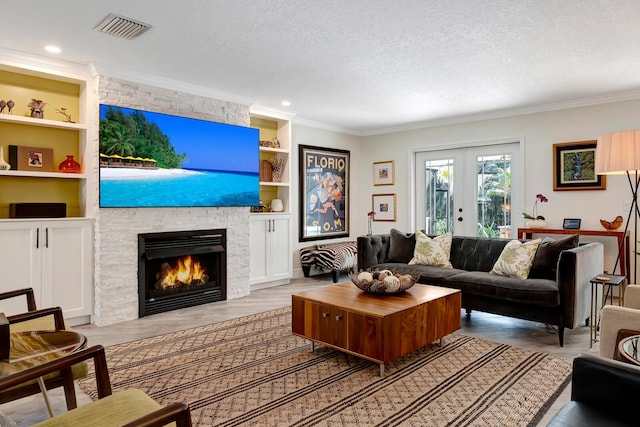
(252, 371)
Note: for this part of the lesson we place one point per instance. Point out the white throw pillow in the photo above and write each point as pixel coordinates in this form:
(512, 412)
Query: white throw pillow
(434, 251)
(516, 259)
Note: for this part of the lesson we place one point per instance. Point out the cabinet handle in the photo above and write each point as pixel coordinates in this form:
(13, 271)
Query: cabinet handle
(46, 238)
(325, 314)
(268, 226)
(338, 317)
(273, 227)
(38, 238)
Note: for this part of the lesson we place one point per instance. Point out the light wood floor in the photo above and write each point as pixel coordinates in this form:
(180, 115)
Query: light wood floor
(519, 333)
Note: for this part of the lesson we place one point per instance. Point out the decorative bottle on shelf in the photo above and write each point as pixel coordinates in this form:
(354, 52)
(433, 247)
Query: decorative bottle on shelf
(69, 165)
(4, 166)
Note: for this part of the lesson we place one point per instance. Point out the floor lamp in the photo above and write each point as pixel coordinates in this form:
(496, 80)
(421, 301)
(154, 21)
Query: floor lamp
(618, 153)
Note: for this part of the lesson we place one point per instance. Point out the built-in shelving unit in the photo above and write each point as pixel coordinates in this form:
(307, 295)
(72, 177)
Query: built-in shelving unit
(271, 253)
(53, 256)
(61, 92)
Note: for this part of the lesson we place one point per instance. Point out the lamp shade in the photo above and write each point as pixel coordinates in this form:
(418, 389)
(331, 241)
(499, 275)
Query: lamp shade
(618, 152)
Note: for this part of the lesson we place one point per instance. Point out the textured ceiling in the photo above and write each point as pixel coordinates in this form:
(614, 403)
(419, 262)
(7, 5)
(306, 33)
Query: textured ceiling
(362, 66)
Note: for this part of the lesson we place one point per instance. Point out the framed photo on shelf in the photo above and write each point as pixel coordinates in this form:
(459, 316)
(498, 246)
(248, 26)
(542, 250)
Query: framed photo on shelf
(574, 167)
(571, 223)
(383, 173)
(324, 193)
(33, 159)
(384, 207)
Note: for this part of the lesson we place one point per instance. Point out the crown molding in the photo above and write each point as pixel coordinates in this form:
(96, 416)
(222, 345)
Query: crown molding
(326, 126)
(510, 112)
(37, 64)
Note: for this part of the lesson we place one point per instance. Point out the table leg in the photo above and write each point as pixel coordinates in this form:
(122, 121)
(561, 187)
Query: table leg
(381, 370)
(45, 395)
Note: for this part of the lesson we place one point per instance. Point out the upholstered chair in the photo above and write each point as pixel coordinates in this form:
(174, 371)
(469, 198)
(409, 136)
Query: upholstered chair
(129, 408)
(614, 318)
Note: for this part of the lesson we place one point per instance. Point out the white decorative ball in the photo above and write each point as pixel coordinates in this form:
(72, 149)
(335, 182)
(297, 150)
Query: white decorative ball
(392, 283)
(365, 276)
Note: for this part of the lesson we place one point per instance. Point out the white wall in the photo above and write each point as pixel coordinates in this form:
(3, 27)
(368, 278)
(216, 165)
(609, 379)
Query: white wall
(539, 132)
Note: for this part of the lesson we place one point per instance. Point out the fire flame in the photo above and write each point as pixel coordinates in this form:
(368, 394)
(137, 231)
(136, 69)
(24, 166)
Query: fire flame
(187, 272)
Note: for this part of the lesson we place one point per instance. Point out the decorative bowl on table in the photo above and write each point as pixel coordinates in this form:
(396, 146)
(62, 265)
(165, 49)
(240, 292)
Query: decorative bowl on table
(383, 282)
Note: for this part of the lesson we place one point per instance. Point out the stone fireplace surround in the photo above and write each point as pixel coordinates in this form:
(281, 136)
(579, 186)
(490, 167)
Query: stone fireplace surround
(116, 230)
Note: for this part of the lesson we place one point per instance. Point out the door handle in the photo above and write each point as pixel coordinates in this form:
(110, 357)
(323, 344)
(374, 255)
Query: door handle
(46, 237)
(38, 238)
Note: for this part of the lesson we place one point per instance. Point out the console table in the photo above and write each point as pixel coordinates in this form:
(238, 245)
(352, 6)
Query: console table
(621, 236)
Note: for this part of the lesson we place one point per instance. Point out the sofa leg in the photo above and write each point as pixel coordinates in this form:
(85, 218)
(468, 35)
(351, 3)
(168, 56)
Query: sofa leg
(335, 275)
(468, 311)
(306, 269)
(561, 335)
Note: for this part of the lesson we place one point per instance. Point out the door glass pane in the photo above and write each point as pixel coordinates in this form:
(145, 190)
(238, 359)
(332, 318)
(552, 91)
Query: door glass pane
(494, 195)
(438, 196)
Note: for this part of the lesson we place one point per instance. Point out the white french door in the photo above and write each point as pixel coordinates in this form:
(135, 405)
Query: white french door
(468, 191)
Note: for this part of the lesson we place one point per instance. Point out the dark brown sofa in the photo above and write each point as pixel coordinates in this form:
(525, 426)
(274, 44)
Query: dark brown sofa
(557, 291)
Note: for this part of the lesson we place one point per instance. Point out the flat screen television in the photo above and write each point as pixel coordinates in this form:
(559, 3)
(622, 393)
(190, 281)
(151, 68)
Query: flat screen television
(158, 160)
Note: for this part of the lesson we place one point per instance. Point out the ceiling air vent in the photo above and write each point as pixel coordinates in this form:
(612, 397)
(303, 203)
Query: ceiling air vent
(119, 26)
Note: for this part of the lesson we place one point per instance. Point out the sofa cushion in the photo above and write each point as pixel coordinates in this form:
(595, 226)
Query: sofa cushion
(516, 259)
(401, 246)
(506, 289)
(545, 263)
(433, 252)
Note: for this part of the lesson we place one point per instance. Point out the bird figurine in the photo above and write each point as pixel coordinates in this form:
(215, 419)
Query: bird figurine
(612, 225)
(3, 104)
(10, 105)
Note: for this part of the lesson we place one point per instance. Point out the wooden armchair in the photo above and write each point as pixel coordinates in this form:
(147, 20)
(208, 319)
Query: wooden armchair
(39, 320)
(129, 408)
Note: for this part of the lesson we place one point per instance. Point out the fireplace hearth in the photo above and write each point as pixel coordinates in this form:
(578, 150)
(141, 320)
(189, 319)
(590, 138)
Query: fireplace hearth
(181, 269)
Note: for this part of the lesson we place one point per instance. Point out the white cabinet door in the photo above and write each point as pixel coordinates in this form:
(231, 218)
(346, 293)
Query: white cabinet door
(259, 250)
(52, 257)
(270, 252)
(20, 262)
(280, 255)
(67, 265)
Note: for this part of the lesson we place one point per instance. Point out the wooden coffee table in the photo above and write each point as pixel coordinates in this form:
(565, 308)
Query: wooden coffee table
(379, 328)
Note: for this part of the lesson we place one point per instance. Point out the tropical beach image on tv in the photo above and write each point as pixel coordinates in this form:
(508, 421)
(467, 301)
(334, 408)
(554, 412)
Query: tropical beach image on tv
(158, 160)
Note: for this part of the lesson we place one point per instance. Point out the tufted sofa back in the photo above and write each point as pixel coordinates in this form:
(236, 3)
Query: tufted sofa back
(467, 252)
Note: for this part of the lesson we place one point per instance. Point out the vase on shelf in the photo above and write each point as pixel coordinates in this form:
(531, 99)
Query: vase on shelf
(535, 223)
(69, 165)
(4, 166)
(277, 205)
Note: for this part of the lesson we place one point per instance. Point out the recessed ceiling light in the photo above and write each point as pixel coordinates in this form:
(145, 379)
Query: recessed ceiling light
(285, 103)
(52, 49)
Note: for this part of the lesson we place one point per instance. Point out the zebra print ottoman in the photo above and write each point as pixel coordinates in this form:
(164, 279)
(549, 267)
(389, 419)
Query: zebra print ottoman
(330, 256)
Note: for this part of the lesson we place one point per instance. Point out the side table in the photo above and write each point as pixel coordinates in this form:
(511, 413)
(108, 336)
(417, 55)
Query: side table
(607, 281)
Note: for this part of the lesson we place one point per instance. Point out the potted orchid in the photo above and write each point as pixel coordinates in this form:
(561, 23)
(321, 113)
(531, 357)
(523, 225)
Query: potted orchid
(535, 220)
(370, 215)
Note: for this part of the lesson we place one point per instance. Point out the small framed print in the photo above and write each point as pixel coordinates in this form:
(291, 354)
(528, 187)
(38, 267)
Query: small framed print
(571, 223)
(34, 159)
(384, 207)
(574, 167)
(383, 173)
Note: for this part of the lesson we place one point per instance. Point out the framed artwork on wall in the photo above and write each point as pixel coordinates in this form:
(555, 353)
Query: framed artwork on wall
(324, 193)
(384, 207)
(383, 173)
(574, 167)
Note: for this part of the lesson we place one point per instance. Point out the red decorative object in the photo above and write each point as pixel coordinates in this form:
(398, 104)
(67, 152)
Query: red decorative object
(69, 166)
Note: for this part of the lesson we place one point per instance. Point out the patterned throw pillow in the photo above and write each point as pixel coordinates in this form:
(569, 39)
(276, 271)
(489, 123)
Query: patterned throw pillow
(516, 259)
(434, 251)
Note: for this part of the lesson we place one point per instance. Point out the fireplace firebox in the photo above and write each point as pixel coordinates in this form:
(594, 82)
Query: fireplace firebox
(181, 269)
